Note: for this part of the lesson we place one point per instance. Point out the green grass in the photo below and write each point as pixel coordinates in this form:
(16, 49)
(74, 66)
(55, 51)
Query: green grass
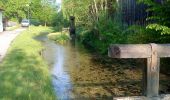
(59, 37)
(13, 27)
(24, 75)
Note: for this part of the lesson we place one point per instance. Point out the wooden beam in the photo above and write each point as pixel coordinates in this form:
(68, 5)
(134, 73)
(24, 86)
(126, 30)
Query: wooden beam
(137, 50)
(163, 50)
(153, 53)
(161, 97)
(131, 98)
(130, 51)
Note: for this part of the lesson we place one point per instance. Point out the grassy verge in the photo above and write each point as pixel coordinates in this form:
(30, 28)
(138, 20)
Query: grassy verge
(13, 27)
(23, 74)
(59, 37)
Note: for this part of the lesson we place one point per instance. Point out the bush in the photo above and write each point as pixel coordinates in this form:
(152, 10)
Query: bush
(104, 33)
(35, 22)
(59, 37)
(139, 34)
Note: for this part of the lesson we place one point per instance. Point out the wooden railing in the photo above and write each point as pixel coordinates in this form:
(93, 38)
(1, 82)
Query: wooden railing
(152, 52)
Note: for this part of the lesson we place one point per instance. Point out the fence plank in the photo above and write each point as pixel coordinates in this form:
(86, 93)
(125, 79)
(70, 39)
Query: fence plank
(130, 51)
(153, 73)
(137, 50)
(153, 53)
(161, 97)
(163, 50)
(131, 98)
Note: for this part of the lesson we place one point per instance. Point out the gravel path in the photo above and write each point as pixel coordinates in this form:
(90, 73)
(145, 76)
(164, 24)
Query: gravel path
(5, 40)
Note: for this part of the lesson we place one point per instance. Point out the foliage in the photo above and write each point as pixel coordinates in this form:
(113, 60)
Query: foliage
(139, 35)
(163, 29)
(87, 12)
(59, 37)
(15, 9)
(72, 8)
(58, 21)
(31, 9)
(95, 17)
(160, 16)
(106, 33)
(35, 22)
(23, 74)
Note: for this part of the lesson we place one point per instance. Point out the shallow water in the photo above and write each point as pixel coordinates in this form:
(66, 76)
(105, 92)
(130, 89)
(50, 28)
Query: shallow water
(76, 74)
(55, 56)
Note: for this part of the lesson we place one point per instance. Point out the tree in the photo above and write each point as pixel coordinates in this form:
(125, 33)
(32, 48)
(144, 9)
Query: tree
(15, 9)
(36, 9)
(87, 12)
(160, 16)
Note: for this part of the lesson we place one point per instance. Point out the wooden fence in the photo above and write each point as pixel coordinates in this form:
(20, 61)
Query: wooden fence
(153, 53)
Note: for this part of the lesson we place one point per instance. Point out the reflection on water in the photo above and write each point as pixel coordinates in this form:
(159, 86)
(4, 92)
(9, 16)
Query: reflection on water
(76, 75)
(61, 80)
(55, 55)
(79, 75)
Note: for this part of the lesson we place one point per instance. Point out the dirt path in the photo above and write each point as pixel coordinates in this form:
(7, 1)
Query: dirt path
(5, 40)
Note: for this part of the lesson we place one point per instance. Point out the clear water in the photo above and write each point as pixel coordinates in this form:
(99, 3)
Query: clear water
(77, 75)
(55, 56)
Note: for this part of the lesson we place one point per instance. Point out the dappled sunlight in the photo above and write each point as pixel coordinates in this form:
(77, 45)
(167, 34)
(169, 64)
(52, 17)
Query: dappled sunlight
(78, 74)
(24, 74)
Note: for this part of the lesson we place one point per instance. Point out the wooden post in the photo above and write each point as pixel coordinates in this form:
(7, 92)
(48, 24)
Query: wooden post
(72, 30)
(153, 73)
(153, 53)
(72, 25)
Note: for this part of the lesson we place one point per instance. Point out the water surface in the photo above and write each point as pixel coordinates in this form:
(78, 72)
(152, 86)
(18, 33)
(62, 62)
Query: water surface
(79, 75)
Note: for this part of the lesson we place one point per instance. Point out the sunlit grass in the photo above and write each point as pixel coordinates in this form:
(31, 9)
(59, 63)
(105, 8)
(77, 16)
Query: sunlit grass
(23, 74)
(59, 37)
(13, 27)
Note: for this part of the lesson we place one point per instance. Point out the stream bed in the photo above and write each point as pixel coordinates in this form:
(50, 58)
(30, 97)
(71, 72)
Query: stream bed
(80, 75)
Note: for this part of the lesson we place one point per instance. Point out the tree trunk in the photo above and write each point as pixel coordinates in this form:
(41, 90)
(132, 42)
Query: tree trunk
(96, 9)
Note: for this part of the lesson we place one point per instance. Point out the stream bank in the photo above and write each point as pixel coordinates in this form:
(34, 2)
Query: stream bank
(78, 74)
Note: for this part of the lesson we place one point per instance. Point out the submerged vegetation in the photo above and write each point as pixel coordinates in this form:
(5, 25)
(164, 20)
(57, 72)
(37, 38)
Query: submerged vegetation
(24, 75)
(99, 23)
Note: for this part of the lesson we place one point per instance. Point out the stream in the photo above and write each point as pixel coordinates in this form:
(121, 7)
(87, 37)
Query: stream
(76, 74)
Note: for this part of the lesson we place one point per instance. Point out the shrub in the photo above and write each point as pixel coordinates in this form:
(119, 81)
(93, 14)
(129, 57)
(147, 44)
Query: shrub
(59, 37)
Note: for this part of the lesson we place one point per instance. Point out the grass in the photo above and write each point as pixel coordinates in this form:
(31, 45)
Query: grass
(13, 27)
(24, 75)
(59, 37)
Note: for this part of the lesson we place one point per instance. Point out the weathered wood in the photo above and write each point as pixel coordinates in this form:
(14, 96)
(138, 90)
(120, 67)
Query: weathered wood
(161, 97)
(163, 50)
(131, 98)
(137, 50)
(153, 53)
(153, 73)
(130, 51)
